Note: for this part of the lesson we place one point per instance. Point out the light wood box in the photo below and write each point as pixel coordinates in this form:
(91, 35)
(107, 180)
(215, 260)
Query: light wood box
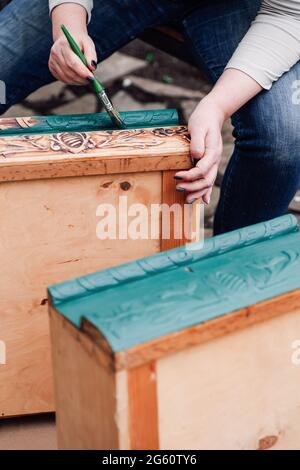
(194, 348)
(50, 188)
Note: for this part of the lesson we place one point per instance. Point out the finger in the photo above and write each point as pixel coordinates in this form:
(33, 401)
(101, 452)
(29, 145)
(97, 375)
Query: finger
(56, 70)
(53, 63)
(71, 75)
(74, 64)
(197, 146)
(60, 74)
(207, 196)
(191, 198)
(90, 53)
(199, 171)
(66, 74)
(200, 184)
(212, 155)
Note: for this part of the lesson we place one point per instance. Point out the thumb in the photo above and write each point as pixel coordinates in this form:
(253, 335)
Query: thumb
(197, 146)
(89, 51)
(207, 196)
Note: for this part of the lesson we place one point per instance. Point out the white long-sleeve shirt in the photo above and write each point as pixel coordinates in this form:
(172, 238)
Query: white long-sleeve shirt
(270, 47)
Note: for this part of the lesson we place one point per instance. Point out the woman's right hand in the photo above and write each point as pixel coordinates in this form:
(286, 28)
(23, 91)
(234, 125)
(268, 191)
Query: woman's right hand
(63, 62)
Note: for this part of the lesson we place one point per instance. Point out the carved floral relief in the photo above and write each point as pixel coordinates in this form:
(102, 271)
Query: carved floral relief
(84, 142)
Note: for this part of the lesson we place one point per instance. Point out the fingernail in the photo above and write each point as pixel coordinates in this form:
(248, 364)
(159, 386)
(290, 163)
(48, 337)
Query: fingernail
(180, 189)
(191, 201)
(178, 178)
(94, 64)
(91, 78)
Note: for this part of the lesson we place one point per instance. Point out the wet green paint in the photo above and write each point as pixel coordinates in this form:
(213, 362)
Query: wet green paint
(95, 122)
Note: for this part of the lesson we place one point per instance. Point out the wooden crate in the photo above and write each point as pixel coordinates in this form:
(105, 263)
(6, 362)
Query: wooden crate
(194, 348)
(50, 188)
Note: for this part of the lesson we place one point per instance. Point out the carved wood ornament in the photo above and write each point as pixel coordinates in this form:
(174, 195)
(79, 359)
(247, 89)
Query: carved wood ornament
(83, 142)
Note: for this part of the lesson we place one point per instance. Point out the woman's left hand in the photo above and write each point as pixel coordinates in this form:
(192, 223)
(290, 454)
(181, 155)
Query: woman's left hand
(205, 127)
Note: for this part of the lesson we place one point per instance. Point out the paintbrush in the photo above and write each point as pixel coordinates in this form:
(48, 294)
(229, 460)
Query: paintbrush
(97, 85)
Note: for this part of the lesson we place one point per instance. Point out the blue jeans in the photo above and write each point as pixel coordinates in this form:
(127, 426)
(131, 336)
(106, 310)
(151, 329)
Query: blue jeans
(264, 171)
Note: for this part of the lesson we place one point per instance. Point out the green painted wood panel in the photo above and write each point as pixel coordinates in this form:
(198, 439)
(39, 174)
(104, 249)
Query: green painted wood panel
(170, 291)
(88, 122)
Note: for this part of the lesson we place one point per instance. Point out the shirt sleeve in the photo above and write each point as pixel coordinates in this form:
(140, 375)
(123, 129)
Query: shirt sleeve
(87, 4)
(272, 44)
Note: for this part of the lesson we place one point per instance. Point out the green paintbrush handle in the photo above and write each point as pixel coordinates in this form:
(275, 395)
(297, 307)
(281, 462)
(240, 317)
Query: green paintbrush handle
(98, 87)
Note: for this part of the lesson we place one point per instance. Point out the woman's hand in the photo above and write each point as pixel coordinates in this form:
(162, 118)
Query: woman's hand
(205, 127)
(233, 89)
(63, 63)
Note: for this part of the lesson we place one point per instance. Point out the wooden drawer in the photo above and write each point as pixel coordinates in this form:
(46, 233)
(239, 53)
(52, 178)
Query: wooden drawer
(193, 348)
(50, 188)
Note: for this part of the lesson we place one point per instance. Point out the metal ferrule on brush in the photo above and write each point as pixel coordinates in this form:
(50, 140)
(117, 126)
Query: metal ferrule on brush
(115, 116)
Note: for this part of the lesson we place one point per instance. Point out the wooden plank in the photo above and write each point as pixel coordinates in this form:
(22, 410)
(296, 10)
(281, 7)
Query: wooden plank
(85, 391)
(192, 288)
(48, 235)
(204, 332)
(243, 383)
(236, 392)
(143, 410)
(98, 408)
(122, 414)
(91, 153)
(182, 223)
(157, 410)
(188, 322)
(86, 122)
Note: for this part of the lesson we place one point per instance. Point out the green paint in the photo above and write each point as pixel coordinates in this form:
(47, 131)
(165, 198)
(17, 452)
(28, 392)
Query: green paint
(139, 301)
(95, 122)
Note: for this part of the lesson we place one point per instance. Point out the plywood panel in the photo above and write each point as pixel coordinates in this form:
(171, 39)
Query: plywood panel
(240, 391)
(26, 157)
(85, 392)
(122, 414)
(208, 331)
(143, 413)
(184, 228)
(48, 234)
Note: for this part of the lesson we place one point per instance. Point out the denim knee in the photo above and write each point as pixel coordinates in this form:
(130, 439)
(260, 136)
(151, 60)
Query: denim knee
(269, 127)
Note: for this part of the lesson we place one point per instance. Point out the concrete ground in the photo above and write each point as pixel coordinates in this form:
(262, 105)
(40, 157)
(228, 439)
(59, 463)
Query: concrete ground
(28, 433)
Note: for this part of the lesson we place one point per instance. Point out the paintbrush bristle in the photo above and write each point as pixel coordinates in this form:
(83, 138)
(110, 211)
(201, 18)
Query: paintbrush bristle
(114, 115)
